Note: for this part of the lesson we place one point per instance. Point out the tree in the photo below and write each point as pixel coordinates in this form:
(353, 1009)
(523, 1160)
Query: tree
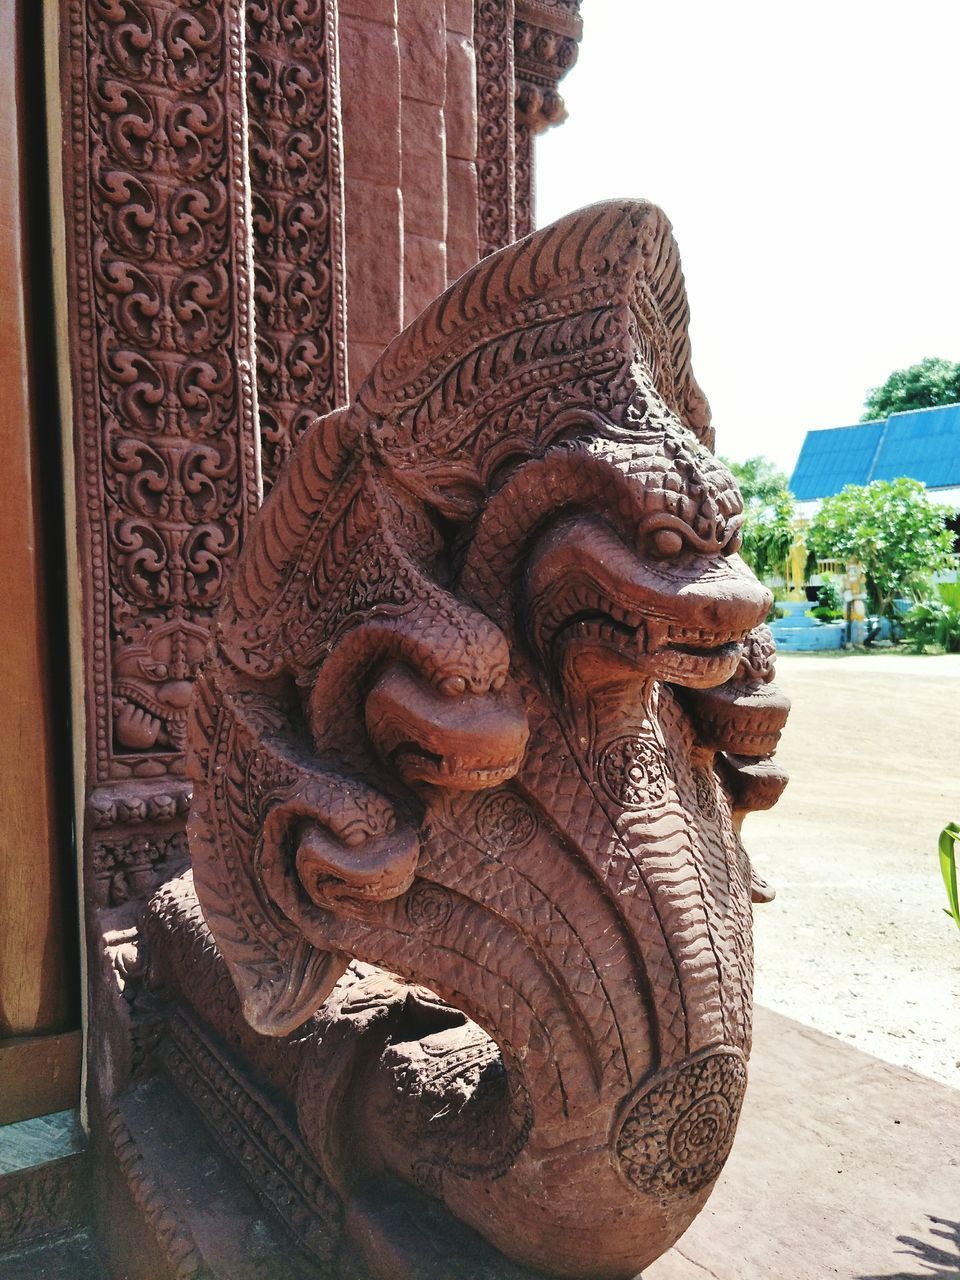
(758, 478)
(770, 510)
(892, 528)
(920, 386)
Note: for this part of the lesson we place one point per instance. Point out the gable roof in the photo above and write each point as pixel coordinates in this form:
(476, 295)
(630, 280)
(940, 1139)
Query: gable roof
(923, 444)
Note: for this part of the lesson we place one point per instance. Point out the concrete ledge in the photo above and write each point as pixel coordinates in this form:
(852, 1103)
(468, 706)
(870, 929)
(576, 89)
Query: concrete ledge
(844, 1166)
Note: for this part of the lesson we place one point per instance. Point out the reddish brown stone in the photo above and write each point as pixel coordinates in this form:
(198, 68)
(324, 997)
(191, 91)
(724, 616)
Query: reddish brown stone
(295, 179)
(424, 170)
(363, 356)
(422, 49)
(370, 102)
(372, 10)
(460, 104)
(424, 273)
(467, 720)
(374, 215)
(459, 15)
(462, 243)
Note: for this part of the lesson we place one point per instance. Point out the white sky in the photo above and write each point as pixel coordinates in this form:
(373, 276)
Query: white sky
(808, 157)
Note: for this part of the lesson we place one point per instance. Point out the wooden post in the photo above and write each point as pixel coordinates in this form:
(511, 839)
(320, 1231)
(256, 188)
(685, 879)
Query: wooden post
(38, 949)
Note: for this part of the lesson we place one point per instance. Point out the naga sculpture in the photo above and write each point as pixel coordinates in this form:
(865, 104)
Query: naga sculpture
(482, 712)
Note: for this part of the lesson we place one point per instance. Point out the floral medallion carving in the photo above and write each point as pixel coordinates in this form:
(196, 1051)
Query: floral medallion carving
(677, 1136)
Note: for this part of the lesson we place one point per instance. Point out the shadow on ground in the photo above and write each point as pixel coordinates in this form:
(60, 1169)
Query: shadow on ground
(937, 1262)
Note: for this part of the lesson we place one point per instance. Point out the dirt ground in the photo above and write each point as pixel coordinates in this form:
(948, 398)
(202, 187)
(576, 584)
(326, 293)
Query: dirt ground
(856, 942)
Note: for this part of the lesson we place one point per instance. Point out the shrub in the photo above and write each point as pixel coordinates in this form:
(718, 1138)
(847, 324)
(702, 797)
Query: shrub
(936, 622)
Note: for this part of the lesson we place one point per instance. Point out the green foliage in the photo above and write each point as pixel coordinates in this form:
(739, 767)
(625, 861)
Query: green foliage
(828, 597)
(936, 622)
(769, 509)
(758, 478)
(920, 386)
(892, 528)
(829, 606)
(949, 837)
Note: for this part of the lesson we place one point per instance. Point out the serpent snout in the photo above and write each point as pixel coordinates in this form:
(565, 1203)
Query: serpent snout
(466, 741)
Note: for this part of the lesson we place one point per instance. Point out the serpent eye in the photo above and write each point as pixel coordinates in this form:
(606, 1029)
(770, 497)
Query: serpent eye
(667, 543)
(452, 686)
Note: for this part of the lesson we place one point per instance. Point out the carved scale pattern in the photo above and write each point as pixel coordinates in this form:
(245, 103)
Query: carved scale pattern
(574, 882)
(296, 181)
(164, 403)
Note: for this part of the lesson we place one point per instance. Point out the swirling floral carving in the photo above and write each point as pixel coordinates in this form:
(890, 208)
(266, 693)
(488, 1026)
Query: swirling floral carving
(162, 349)
(492, 37)
(296, 190)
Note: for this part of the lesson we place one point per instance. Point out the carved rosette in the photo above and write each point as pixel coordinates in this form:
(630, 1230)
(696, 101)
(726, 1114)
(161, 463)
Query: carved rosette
(296, 182)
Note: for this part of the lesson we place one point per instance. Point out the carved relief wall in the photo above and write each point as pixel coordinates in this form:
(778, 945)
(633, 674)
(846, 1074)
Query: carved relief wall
(297, 203)
(209, 220)
(496, 147)
(182, 222)
(164, 406)
(524, 48)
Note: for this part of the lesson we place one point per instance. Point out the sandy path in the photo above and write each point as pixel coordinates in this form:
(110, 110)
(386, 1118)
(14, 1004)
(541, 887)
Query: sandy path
(856, 943)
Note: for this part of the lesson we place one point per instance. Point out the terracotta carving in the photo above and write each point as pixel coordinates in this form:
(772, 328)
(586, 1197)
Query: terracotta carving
(496, 147)
(546, 41)
(197, 194)
(297, 201)
(523, 49)
(475, 712)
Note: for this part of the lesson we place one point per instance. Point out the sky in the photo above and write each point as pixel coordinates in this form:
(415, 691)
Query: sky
(808, 157)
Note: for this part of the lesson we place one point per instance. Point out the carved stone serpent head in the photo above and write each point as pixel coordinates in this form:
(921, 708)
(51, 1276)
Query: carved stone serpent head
(451, 724)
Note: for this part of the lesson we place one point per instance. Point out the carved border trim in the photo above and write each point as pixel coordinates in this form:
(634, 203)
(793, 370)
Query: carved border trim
(174, 1236)
(496, 156)
(296, 170)
(272, 1159)
(122, 277)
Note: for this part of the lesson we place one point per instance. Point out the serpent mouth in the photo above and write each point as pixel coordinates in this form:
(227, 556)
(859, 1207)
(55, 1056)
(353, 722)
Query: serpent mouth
(683, 620)
(467, 742)
(668, 652)
(415, 763)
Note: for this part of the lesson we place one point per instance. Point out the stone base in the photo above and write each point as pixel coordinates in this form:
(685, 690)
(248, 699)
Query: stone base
(44, 1175)
(844, 1166)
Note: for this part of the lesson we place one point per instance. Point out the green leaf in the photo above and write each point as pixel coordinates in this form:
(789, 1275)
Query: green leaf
(949, 837)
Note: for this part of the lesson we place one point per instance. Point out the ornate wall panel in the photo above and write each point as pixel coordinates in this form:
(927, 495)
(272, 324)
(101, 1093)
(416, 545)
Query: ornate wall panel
(523, 49)
(496, 156)
(546, 35)
(296, 180)
(161, 348)
(524, 180)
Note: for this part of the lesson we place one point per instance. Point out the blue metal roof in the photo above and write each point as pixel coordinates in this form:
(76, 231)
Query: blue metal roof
(830, 459)
(923, 444)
